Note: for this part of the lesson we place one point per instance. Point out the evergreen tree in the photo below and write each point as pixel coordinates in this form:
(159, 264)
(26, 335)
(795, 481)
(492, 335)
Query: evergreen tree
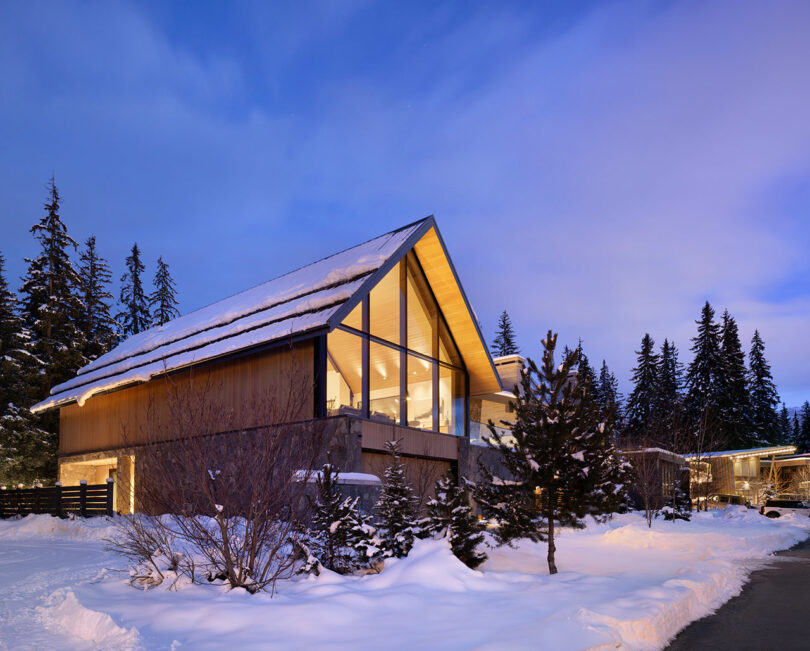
(134, 317)
(803, 440)
(703, 374)
(785, 428)
(504, 342)
(606, 389)
(333, 522)
(764, 397)
(641, 403)
(734, 400)
(585, 372)
(50, 310)
(451, 516)
(51, 305)
(95, 319)
(561, 464)
(797, 430)
(396, 508)
(163, 301)
(670, 382)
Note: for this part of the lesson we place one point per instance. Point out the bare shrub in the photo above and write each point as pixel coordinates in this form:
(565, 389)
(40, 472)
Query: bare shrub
(221, 482)
(647, 484)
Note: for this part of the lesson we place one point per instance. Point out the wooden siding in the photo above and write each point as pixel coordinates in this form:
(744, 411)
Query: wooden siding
(412, 441)
(238, 387)
(439, 272)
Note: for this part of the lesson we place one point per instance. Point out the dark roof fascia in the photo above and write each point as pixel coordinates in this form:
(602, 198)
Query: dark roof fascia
(371, 281)
(226, 357)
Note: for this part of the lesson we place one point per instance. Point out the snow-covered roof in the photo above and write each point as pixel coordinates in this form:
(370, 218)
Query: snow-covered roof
(297, 302)
(752, 452)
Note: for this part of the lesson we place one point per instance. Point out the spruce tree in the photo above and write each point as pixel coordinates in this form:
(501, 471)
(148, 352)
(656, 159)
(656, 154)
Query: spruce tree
(796, 430)
(134, 316)
(451, 516)
(558, 455)
(163, 301)
(734, 416)
(668, 397)
(332, 522)
(50, 310)
(764, 397)
(606, 389)
(803, 440)
(703, 374)
(396, 508)
(504, 342)
(95, 320)
(51, 303)
(641, 403)
(585, 372)
(785, 429)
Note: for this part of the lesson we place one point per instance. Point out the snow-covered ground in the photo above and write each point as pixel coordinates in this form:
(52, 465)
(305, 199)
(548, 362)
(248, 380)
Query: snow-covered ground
(620, 586)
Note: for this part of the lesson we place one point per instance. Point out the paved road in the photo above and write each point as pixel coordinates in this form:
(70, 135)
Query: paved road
(771, 613)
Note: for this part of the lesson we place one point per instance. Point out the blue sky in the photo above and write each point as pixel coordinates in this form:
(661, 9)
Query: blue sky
(599, 169)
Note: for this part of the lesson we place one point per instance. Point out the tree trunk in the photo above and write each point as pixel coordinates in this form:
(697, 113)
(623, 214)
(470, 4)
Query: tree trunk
(552, 566)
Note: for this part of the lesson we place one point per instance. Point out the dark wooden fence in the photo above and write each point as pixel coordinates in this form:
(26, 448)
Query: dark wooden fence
(83, 500)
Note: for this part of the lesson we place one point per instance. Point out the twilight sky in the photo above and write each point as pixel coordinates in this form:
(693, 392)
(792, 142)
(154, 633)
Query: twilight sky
(601, 170)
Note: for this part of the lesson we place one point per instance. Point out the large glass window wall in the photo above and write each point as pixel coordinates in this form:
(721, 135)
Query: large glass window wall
(396, 349)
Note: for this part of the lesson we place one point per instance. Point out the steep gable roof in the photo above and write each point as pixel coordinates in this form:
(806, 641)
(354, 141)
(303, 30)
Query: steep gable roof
(311, 298)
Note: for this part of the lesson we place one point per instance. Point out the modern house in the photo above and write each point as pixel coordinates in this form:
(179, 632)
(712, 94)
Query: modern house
(658, 472)
(787, 475)
(731, 472)
(382, 333)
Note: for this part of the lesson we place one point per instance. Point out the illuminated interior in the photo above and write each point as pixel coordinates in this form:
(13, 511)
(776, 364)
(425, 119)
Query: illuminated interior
(415, 375)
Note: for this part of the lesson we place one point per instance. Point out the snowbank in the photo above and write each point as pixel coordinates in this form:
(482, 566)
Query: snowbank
(48, 526)
(620, 585)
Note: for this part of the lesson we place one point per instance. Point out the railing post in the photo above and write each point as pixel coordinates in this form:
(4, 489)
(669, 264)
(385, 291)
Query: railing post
(59, 512)
(109, 496)
(83, 498)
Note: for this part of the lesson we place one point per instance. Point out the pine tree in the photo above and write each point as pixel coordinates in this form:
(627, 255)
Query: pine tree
(803, 440)
(585, 372)
(163, 301)
(134, 317)
(785, 429)
(764, 397)
(797, 430)
(606, 389)
(703, 374)
(451, 516)
(50, 309)
(396, 508)
(734, 399)
(670, 382)
(332, 522)
(561, 464)
(51, 305)
(95, 319)
(504, 342)
(641, 403)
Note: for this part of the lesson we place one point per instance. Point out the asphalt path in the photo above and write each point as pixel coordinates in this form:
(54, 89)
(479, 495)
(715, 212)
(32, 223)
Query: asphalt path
(771, 613)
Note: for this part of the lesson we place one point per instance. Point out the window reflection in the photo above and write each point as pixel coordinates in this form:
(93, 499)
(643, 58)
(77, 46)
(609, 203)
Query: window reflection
(451, 401)
(343, 373)
(384, 307)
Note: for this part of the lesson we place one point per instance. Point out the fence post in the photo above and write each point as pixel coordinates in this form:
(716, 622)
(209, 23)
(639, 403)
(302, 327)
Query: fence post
(3, 501)
(59, 512)
(83, 498)
(109, 496)
(18, 494)
(36, 498)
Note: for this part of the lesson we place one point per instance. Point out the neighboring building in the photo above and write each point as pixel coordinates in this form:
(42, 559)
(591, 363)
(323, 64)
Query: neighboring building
(383, 334)
(787, 476)
(658, 471)
(716, 475)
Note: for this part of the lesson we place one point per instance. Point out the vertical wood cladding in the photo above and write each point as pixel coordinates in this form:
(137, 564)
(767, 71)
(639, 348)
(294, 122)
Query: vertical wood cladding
(239, 387)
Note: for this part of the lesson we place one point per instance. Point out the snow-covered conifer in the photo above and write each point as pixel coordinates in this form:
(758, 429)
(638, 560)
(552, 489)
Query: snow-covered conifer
(703, 374)
(396, 508)
(95, 319)
(163, 301)
(450, 516)
(134, 316)
(803, 438)
(332, 522)
(559, 461)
